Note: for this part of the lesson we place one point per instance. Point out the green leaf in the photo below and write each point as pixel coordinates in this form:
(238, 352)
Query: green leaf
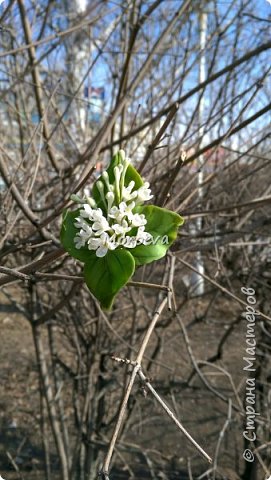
(163, 225)
(131, 174)
(67, 235)
(107, 275)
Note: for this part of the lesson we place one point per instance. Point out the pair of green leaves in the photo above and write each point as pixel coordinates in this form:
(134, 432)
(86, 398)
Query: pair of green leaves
(107, 275)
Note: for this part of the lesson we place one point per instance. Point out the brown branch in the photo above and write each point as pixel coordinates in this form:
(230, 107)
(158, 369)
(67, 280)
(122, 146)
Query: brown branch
(121, 415)
(49, 38)
(37, 84)
(95, 146)
(158, 136)
(35, 265)
(220, 287)
(186, 96)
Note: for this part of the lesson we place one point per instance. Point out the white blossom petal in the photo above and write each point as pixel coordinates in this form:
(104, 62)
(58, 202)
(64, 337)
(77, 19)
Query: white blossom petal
(138, 220)
(144, 193)
(103, 231)
(101, 251)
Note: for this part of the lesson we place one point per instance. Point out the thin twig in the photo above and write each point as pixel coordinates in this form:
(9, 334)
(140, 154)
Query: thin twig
(14, 273)
(148, 285)
(221, 436)
(158, 136)
(14, 464)
(220, 287)
(172, 416)
(121, 415)
(170, 296)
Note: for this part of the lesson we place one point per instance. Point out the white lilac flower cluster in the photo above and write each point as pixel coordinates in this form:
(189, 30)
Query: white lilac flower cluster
(108, 229)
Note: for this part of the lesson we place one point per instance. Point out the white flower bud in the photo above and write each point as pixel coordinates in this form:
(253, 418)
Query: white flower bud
(110, 197)
(122, 154)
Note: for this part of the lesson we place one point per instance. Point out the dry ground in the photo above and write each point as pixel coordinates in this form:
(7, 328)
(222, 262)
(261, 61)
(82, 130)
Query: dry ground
(201, 413)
